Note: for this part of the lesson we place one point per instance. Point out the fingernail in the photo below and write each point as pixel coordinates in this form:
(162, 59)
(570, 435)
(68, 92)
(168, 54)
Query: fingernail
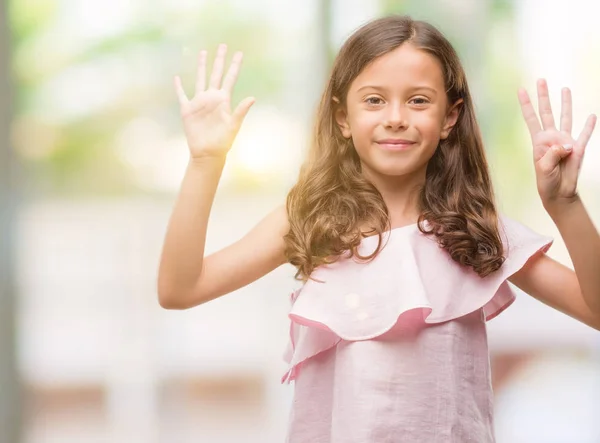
(568, 147)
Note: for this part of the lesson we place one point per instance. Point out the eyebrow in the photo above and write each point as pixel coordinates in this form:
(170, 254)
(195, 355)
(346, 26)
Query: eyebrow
(384, 89)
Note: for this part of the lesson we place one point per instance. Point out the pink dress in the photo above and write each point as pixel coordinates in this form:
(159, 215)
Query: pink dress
(395, 350)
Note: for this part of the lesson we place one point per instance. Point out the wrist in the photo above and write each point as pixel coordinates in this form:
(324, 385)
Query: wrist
(559, 208)
(203, 161)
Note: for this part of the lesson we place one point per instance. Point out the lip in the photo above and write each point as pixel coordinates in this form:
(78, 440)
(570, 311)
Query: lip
(395, 144)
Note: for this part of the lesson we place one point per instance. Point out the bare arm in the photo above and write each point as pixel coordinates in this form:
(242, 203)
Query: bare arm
(256, 254)
(186, 278)
(557, 286)
(575, 293)
(557, 159)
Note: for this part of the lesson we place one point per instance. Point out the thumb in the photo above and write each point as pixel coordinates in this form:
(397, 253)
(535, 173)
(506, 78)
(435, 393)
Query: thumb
(553, 157)
(239, 114)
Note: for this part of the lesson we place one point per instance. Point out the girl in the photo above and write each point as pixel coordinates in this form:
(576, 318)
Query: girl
(392, 227)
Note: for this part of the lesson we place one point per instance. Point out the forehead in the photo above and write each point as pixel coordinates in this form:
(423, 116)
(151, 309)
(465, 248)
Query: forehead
(405, 66)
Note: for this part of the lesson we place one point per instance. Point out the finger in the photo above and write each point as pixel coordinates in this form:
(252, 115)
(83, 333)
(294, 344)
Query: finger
(566, 112)
(587, 131)
(242, 110)
(544, 105)
(233, 72)
(553, 157)
(218, 65)
(201, 74)
(180, 91)
(529, 113)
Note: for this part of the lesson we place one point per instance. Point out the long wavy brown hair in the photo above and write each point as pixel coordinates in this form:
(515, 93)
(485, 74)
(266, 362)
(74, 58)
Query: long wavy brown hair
(332, 201)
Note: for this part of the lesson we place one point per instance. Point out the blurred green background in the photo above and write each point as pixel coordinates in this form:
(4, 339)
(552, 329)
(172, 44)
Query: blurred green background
(93, 125)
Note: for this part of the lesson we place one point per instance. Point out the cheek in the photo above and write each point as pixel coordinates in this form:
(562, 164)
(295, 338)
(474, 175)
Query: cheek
(429, 125)
(363, 122)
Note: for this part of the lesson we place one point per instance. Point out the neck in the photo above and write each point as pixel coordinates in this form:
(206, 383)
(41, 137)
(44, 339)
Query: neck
(400, 195)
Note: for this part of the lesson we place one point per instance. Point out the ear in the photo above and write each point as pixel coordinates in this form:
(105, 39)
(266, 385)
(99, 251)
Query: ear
(451, 118)
(341, 118)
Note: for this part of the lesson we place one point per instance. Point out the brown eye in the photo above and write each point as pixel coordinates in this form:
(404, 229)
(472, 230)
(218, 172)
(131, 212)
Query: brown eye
(374, 101)
(419, 101)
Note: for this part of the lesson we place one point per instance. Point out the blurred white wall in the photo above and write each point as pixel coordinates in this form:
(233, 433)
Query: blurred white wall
(103, 363)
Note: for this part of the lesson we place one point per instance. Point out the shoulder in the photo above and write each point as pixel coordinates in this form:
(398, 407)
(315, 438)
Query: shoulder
(272, 228)
(279, 218)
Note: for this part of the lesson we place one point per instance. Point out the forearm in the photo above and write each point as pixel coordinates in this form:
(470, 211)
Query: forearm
(583, 243)
(183, 250)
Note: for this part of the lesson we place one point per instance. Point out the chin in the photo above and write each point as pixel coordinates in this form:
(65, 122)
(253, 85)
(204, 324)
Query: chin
(394, 170)
(391, 165)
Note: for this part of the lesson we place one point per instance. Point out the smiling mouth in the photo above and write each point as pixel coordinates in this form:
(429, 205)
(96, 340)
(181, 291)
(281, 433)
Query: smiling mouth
(395, 145)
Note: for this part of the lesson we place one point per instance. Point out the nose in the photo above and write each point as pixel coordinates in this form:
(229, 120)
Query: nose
(395, 118)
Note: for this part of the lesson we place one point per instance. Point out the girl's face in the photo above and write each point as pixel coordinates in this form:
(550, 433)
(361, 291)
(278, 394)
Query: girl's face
(396, 113)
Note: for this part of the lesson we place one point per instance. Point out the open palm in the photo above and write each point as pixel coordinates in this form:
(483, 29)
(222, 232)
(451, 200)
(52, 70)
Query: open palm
(557, 155)
(210, 125)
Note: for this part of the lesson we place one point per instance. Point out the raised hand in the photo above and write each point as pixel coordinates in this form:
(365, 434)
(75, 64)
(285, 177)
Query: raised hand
(209, 124)
(556, 154)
